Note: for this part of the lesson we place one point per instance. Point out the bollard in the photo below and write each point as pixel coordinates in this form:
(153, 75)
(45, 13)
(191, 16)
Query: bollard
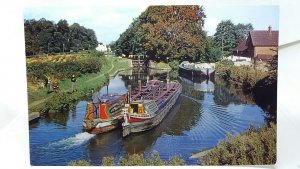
(129, 94)
(140, 86)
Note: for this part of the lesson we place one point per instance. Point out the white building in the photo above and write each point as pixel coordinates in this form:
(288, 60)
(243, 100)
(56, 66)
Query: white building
(101, 48)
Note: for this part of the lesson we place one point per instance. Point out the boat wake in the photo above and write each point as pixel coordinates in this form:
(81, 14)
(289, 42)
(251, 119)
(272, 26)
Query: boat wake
(72, 142)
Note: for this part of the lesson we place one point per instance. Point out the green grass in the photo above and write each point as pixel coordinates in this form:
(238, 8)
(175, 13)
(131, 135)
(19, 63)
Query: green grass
(84, 84)
(160, 65)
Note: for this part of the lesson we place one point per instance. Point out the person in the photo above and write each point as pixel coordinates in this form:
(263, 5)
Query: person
(55, 85)
(47, 84)
(96, 101)
(73, 80)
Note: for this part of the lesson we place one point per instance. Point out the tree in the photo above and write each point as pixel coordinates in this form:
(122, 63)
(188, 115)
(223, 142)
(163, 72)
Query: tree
(225, 36)
(212, 52)
(162, 32)
(242, 31)
(44, 36)
(228, 35)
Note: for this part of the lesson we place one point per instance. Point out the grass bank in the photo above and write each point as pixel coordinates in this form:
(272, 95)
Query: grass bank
(254, 147)
(40, 101)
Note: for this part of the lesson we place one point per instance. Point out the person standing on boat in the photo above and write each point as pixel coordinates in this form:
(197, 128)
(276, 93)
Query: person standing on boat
(96, 101)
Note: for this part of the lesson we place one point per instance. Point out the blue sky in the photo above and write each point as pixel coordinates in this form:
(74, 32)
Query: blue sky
(109, 21)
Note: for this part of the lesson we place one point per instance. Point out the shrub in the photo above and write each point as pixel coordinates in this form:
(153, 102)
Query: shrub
(108, 161)
(174, 64)
(80, 163)
(244, 76)
(63, 67)
(251, 148)
(58, 102)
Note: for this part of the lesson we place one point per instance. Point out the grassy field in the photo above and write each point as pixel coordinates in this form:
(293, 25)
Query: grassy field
(84, 84)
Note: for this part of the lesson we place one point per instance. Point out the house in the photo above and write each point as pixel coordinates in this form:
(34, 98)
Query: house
(101, 47)
(260, 45)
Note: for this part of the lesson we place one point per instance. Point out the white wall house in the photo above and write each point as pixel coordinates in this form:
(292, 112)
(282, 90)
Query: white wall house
(101, 48)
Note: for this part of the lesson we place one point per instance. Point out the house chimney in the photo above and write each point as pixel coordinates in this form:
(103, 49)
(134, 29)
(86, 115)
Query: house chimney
(270, 30)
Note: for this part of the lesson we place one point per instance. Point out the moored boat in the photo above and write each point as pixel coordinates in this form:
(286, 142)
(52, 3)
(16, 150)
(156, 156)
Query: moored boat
(109, 114)
(149, 105)
(197, 70)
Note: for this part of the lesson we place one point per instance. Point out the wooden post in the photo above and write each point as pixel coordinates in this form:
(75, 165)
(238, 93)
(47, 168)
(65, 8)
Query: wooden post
(140, 86)
(160, 88)
(129, 93)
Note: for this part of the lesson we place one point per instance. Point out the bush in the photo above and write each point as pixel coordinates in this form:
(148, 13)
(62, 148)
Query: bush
(63, 67)
(134, 160)
(140, 160)
(80, 163)
(58, 102)
(174, 64)
(108, 161)
(244, 76)
(251, 148)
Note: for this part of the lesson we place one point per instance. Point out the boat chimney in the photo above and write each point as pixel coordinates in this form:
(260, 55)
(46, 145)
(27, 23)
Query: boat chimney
(140, 86)
(129, 94)
(160, 88)
(168, 78)
(270, 30)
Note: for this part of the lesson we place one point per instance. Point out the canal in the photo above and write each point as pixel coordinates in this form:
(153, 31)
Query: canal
(203, 115)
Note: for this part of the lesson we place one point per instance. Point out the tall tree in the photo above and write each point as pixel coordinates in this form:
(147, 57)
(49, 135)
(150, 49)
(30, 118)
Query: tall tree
(228, 35)
(163, 32)
(212, 52)
(225, 36)
(44, 36)
(242, 31)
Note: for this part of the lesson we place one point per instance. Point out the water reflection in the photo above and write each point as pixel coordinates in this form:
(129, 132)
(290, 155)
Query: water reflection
(60, 118)
(203, 85)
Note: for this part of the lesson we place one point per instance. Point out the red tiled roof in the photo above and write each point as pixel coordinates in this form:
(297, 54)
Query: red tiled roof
(264, 38)
(242, 46)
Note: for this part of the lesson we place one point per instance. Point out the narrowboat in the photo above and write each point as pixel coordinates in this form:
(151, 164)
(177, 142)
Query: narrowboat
(197, 70)
(148, 105)
(109, 114)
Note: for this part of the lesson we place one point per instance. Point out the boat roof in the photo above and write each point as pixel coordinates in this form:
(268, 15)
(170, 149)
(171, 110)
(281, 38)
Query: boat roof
(110, 97)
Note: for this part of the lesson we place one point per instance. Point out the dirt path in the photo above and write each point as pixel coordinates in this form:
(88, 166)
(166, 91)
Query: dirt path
(94, 78)
(38, 102)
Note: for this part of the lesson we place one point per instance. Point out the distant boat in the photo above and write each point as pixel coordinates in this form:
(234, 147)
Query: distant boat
(197, 70)
(109, 114)
(149, 105)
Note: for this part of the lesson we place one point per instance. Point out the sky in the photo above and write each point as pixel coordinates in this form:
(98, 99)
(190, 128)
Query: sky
(109, 21)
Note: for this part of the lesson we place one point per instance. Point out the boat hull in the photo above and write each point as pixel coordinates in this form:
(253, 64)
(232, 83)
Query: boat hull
(100, 126)
(192, 73)
(150, 123)
(109, 114)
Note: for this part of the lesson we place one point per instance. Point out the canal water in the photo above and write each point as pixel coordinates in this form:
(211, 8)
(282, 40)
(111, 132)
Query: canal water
(203, 115)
